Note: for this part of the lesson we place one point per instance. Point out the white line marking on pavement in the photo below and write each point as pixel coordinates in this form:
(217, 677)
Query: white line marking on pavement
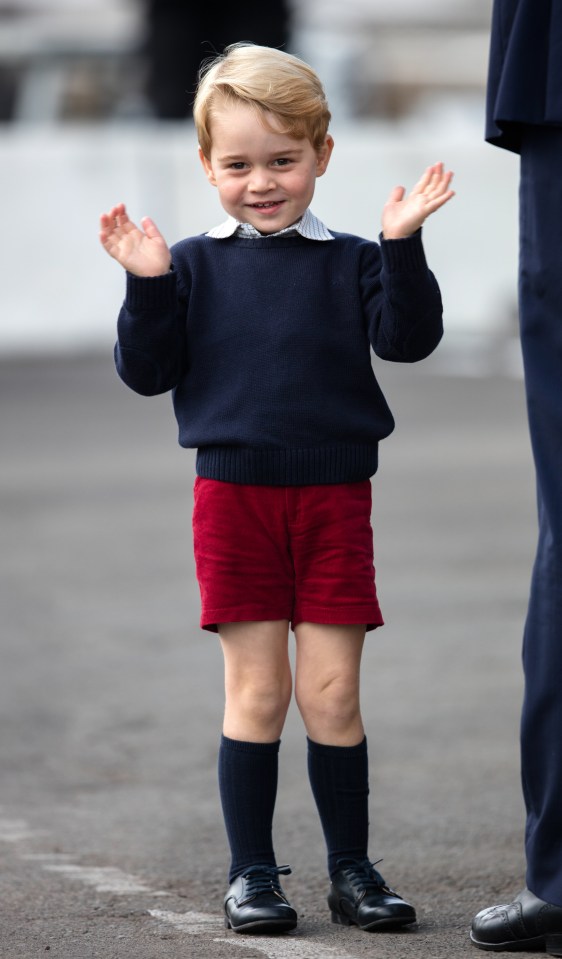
(47, 856)
(113, 880)
(290, 946)
(190, 922)
(103, 878)
(16, 830)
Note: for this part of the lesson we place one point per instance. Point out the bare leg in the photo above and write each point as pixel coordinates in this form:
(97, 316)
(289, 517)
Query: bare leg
(258, 690)
(258, 681)
(327, 689)
(327, 682)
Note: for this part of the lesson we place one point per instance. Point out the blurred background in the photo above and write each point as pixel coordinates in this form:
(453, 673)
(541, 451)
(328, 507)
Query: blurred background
(110, 696)
(95, 108)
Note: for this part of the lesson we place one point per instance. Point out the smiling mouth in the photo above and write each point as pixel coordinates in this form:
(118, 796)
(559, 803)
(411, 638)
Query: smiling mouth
(265, 206)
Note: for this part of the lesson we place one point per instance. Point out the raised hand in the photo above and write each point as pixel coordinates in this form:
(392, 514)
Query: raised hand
(402, 215)
(143, 252)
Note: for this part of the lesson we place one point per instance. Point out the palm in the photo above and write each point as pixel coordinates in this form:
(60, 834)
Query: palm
(403, 215)
(143, 252)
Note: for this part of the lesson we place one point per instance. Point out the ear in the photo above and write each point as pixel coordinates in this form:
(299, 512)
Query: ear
(323, 155)
(207, 166)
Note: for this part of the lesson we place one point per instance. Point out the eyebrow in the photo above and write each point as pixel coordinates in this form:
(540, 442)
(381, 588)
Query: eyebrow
(237, 157)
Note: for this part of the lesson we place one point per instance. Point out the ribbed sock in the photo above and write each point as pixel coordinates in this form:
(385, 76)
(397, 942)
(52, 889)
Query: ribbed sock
(339, 778)
(248, 775)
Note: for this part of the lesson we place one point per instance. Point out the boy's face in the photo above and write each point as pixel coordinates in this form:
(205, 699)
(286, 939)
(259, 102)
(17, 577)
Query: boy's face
(264, 177)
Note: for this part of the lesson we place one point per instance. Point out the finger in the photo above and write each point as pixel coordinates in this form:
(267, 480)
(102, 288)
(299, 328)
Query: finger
(435, 177)
(425, 179)
(107, 240)
(442, 185)
(107, 227)
(116, 217)
(121, 220)
(150, 228)
(396, 194)
(440, 201)
(438, 184)
(445, 175)
(118, 210)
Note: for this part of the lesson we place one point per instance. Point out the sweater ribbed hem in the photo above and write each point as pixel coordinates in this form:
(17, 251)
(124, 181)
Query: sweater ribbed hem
(288, 467)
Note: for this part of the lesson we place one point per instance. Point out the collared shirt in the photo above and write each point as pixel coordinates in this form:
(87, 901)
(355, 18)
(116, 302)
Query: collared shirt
(308, 226)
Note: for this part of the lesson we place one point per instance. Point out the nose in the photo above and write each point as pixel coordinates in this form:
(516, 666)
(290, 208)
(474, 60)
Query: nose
(261, 180)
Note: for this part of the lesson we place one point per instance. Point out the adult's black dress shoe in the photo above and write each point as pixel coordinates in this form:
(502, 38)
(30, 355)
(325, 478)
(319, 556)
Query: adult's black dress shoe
(255, 902)
(359, 896)
(526, 924)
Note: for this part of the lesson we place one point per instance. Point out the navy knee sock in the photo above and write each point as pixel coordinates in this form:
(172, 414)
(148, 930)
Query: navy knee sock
(339, 778)
(248, 789)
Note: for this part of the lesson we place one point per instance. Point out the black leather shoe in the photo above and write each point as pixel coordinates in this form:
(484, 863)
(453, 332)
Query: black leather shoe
(526, 924)
(255, 902)
(359, 896)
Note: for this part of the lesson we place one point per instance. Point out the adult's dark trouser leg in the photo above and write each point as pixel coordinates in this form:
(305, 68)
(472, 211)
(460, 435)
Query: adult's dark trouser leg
(540, 295)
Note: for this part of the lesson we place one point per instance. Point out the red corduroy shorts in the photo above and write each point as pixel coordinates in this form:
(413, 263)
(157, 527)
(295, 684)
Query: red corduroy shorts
(301, 553)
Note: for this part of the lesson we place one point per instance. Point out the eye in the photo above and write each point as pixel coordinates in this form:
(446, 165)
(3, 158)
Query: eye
(283, 161)
(238, 165)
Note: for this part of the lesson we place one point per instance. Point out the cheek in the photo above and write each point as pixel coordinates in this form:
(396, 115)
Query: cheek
(228, 187)
(304, 184)
(230, 194)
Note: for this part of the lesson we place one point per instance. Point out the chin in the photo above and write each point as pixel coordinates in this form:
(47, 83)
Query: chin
(271, 226)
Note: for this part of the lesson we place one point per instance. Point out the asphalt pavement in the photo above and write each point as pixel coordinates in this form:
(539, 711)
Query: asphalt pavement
(111, 838)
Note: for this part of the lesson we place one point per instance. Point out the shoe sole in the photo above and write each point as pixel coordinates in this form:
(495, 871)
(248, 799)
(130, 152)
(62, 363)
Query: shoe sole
(263, 926)
(551, 944)
(389, 923)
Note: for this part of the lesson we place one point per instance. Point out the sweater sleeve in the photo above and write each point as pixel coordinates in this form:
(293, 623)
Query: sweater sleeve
(150, 353)
(403, 302)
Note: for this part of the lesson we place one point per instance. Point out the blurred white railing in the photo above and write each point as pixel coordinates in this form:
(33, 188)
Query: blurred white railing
(59, 290)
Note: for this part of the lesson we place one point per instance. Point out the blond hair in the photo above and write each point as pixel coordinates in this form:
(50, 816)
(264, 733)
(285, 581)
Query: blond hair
(268, 80)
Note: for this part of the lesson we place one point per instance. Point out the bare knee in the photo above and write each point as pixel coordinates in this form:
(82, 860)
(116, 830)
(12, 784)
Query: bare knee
(330, 710)
(256, 710)
(258, 680)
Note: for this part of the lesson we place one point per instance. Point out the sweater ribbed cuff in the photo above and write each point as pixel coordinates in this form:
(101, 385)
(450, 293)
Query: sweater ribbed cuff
(405, 255)
(150, 292)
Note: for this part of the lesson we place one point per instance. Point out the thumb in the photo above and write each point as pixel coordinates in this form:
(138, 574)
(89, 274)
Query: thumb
(396, 195)
(150, 228)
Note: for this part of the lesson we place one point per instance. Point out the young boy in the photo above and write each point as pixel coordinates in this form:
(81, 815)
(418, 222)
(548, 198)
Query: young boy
(262, 329)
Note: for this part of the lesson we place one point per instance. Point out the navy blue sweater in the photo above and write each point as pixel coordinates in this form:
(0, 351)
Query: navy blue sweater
(265, 344)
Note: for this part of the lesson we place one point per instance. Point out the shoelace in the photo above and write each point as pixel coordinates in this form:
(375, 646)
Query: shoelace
(363, 874)
(265, 879)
